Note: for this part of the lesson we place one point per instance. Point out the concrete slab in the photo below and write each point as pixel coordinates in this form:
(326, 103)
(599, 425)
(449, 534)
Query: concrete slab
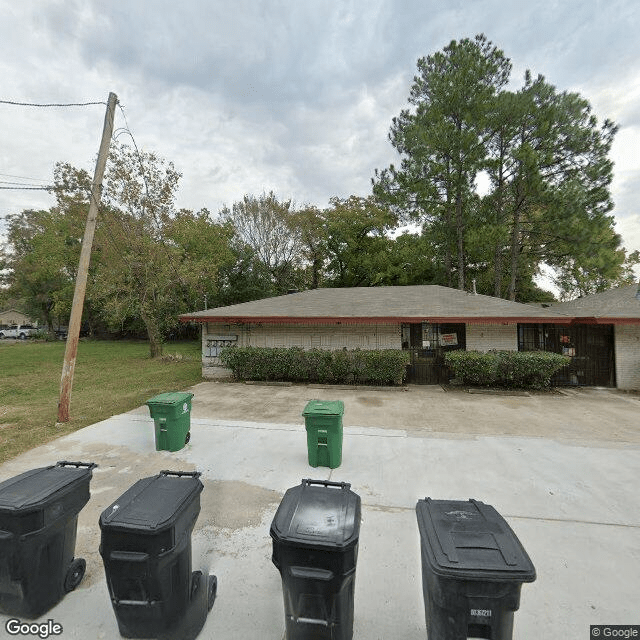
(565, 479)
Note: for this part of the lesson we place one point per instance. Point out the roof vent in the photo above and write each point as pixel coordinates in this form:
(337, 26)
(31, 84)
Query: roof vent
(475, 293)
(289, 291)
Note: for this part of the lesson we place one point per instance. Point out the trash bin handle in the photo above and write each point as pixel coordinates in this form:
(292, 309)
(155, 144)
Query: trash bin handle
(129, 556)
(193, 474)
(327, 483)
(66, 463)
(311, 573)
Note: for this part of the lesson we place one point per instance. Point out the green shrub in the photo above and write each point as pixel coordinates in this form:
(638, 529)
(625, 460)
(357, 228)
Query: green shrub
(42, 334)
(473, 367)
(341, 367)
(522, 369)
(386, 366)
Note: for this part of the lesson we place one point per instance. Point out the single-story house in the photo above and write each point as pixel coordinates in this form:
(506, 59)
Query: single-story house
(429, 320)
(605, 334)
(13, 316)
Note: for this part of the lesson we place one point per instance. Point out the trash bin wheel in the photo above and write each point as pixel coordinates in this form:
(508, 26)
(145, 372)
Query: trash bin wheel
(188, 437)
(74, 575)
(196, 578)
(213, 588)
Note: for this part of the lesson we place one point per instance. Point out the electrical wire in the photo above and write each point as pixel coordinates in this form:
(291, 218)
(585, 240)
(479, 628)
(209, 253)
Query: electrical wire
(50, 104)
(10, 175)
(19, 184)
(37, 104)
(116, 134)
(27, 188)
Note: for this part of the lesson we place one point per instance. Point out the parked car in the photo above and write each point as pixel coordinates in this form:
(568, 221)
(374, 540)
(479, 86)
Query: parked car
(20, 331)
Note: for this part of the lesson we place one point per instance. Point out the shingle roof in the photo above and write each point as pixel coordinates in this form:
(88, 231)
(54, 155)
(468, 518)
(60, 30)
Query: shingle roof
(621, 302)
(380, 304)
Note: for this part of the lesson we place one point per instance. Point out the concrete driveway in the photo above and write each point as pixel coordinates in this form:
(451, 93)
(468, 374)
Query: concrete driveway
(562, 468)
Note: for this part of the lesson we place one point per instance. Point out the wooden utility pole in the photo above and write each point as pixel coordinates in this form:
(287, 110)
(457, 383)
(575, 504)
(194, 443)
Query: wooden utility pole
(83, 267)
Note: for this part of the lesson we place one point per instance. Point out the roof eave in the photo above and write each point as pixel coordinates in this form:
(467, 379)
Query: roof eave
(376, 319)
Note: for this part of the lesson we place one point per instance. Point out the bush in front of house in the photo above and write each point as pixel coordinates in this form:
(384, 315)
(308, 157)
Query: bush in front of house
(378, 366)
(522, 369)
(386, 366)
(473, 367)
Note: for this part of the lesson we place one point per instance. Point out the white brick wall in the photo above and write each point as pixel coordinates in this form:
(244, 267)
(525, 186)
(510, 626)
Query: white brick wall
(627, 346)
(351, 336)
(484, 337)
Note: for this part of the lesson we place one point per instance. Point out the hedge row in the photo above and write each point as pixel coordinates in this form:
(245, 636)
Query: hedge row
(386, 366)
(528, 369)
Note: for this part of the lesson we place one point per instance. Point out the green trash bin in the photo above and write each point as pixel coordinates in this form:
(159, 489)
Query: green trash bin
(171, 413)
(323, 421)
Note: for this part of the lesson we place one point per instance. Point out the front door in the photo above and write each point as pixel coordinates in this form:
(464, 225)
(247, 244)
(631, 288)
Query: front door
(427, 344)
(589, 348)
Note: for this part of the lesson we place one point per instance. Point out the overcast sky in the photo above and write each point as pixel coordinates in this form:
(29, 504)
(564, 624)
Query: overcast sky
(294, 96)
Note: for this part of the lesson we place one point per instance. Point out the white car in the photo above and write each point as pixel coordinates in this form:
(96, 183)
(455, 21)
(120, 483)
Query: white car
(20, 331)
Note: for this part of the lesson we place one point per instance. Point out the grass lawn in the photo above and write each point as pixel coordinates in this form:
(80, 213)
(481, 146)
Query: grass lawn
(110, 377)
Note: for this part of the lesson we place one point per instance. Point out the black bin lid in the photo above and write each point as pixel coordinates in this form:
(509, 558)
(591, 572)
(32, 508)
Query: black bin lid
(34, 489)
(153, 504)
(318, 513)
(471, 541)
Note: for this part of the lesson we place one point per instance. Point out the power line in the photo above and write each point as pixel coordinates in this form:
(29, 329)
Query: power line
(37, 104)
(10, 175)
(50, 104)
(26, 188)
(18, 184)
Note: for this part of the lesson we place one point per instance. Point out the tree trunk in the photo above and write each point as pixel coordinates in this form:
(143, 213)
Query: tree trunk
(519, 204)
(316, 274)
(448, 221)
(497, 260)
(515, 250)
(460, 234)
(154, 334)
(448, 260)
(497, 265)
(49, 318)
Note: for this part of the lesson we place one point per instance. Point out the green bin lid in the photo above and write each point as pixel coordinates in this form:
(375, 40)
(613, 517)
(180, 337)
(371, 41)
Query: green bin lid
(324, 408)
(172, 398)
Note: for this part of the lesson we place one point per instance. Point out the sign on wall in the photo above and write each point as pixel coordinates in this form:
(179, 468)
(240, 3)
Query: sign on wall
(448, 339)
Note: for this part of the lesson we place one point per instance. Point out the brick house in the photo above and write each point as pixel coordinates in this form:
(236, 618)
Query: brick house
(428, 321)
(607, 325)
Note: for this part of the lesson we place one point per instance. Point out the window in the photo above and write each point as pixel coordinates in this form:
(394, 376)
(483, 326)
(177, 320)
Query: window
(531, 337)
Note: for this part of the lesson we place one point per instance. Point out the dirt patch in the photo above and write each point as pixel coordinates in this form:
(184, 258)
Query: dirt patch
(499, 392)
(118, 469)
(224, 505)
(370, 402)
(234, 505)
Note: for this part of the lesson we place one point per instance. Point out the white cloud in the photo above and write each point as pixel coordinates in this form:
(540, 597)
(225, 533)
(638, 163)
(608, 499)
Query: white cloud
(285, 95)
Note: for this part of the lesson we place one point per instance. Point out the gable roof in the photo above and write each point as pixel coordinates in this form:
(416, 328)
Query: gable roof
(415, 303)
(614, 304)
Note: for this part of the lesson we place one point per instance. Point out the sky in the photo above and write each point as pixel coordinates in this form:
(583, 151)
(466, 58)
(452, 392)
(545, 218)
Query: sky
(294, 96)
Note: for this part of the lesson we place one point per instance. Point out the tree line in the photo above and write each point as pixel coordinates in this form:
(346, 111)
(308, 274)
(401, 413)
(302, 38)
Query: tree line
(542, 152)
(544, 156)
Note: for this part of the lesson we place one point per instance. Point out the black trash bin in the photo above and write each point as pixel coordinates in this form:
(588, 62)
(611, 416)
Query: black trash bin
(315, 547)
(146, 549)
(38, 523)
(473, 567)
